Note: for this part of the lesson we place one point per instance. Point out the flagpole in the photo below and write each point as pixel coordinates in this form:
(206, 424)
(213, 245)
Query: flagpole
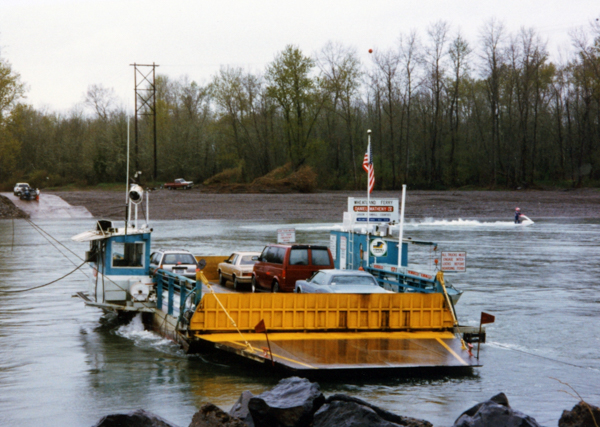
(368, 199)
(400, 233)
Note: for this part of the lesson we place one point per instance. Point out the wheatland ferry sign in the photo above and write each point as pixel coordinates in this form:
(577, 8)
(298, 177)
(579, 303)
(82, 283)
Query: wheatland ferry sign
(381, 211)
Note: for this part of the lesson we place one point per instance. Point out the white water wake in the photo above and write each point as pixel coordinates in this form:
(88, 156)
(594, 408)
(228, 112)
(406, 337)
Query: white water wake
(430, 222)
(135, 332)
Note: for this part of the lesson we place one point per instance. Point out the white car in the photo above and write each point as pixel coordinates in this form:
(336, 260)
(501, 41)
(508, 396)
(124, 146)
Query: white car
(19, 186)
(178, 261)
(238, 269)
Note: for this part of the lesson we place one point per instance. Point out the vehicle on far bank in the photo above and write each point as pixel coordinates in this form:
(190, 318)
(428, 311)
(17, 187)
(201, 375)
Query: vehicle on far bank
(29, 193)
(19, 186)
(237, 269)
(178, 261)
(279, 266)
(179, 183)
(340, 282)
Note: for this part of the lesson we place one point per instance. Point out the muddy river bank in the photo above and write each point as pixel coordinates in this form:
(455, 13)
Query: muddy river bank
(328, 206)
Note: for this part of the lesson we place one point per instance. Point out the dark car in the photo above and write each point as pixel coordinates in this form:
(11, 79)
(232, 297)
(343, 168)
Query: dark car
(279, 266)
(29, 193)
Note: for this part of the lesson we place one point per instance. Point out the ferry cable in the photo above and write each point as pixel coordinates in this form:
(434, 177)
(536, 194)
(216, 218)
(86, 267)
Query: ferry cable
(46, 284)
(44, 233)
(545, 357)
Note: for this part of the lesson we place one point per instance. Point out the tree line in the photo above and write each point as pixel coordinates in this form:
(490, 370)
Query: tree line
(444, 113)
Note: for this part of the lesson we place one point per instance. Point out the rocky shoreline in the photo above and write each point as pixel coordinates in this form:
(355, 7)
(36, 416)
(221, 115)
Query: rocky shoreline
(297, 402)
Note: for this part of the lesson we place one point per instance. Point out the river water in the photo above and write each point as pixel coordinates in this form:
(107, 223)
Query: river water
(60, 365)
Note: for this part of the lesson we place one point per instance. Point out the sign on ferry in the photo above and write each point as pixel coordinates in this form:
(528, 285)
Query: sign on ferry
(454, 261)
(286, 235)
(382, 211)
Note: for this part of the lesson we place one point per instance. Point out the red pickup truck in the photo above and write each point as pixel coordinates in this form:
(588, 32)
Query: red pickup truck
(179, 183)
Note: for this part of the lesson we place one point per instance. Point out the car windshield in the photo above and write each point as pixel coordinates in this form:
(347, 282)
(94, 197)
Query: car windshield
(353, 280)
(318, 278)
(179, 258)
(247, 260)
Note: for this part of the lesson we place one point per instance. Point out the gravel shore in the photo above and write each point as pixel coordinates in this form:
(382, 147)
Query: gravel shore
(329, 206)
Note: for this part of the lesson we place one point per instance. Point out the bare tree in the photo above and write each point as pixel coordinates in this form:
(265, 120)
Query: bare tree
(436, 62)
(459, 52)
(101, 99)
(409, 53)
(387, 66)
(493, 56)
(340, 77)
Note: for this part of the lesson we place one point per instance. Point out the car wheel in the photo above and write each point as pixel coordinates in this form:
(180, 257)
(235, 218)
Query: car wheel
(275, 288)
(298, 290)
(222, 279)
(253, 284)
(236, 285)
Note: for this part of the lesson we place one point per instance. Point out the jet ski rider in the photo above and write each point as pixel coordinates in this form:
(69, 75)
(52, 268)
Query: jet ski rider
(517, 216)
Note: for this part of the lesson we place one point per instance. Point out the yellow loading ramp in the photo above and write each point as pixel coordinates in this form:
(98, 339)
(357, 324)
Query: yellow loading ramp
(308, 332)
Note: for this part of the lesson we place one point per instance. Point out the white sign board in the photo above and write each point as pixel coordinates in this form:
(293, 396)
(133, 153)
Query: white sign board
(286, 235)
(348, 220)
(333, 245)
(343, 252)
(381, 211)
(454, 261)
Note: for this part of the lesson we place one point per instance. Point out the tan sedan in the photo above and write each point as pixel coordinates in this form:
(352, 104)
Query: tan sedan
(237, 269)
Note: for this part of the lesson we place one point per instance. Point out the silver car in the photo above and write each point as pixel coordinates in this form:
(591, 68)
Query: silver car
(19, 188)
(178, 261)
(340, 282)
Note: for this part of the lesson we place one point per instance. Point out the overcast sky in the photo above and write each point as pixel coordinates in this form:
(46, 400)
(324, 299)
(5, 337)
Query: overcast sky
(61, 47)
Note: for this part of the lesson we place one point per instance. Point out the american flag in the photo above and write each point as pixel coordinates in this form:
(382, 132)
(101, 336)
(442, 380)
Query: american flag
(368, 167)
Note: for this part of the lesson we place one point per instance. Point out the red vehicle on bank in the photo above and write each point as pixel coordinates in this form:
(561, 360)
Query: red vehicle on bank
(179, 183)
(279, 266)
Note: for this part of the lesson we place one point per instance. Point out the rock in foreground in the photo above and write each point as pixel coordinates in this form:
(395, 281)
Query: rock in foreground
(139, 418)
(582, 415)
(291, 403)
(210, 415)
(297, 402)
(495, 412)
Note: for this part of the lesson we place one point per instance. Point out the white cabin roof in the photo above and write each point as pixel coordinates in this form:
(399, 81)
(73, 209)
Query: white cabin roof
(90, 235)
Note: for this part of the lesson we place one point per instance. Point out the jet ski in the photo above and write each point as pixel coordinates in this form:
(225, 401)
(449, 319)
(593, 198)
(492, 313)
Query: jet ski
(525, 221)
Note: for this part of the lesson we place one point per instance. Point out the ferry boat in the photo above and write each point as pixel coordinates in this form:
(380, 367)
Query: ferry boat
(308, 334)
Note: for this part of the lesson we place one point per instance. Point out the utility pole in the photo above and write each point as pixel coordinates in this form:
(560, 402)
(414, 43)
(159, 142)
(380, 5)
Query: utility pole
(145, 93)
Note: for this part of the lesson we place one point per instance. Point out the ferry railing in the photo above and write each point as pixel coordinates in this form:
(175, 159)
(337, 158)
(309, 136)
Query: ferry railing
(402, 283)
(175, 284)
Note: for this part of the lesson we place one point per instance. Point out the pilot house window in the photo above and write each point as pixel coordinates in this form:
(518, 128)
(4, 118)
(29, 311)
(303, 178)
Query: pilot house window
(127, 254)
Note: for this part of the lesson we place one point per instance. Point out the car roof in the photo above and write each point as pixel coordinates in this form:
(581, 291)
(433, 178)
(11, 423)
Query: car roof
(245, 253)
(296, 246)
(339, 272)
(170, 251)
